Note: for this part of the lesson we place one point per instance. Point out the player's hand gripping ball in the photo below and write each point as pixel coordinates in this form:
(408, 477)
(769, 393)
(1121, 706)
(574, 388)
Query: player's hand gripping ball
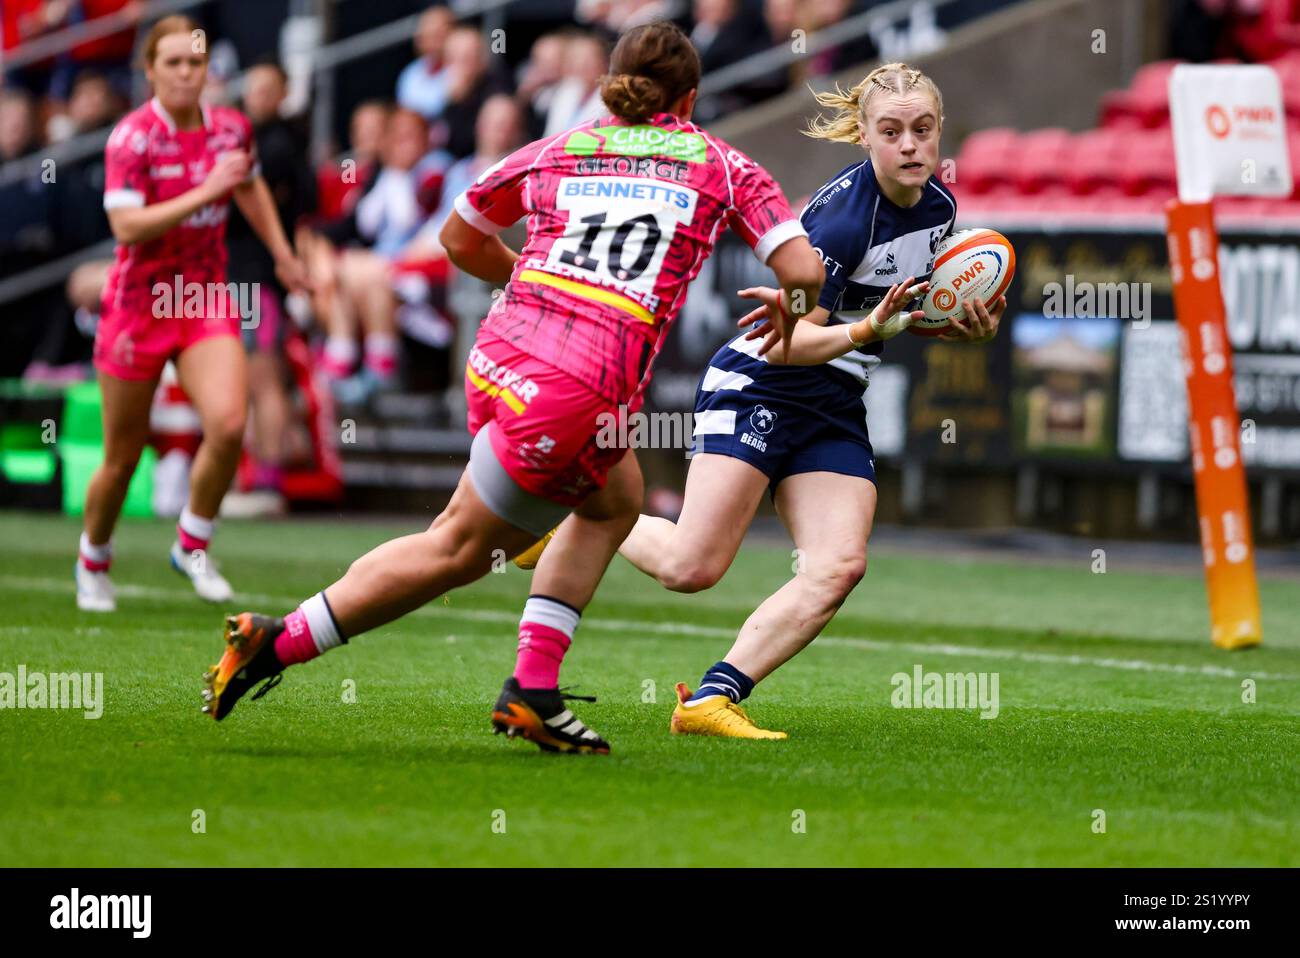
(970, 264)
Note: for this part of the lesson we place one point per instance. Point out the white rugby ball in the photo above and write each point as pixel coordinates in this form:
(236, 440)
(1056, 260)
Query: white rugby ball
(969, 263)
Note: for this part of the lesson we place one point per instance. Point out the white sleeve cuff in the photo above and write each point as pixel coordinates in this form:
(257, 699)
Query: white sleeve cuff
(777, 235)
(474, 218)
(113, 199)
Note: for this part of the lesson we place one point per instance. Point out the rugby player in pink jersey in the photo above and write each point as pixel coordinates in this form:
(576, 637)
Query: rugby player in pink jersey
(622, 212)
(171, 167)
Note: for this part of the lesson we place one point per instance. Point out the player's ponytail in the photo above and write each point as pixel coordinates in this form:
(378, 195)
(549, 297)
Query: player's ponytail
(651, 67)
(850, 106)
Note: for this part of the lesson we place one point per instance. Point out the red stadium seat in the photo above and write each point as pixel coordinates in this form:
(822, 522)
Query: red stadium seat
(1040, 158)
(1146, 100)
(985, 158)
(1147, 162)
(1094, 159)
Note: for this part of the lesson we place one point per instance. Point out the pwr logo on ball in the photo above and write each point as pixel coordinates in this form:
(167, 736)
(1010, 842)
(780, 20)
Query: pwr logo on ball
(969, 264)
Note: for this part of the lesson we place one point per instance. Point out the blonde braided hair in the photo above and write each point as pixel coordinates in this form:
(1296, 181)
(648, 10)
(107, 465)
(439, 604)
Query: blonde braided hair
(851, 105)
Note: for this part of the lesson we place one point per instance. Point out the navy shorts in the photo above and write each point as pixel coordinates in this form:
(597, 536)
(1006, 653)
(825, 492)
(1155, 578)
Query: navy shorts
(784, 420)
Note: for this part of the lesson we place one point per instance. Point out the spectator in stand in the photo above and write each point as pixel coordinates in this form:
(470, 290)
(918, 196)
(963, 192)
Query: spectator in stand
(351, 296)
(826, 13)
(92, 105)
(781, 18)
(424, 85)
(538, 78)
(577, 96)
(79, 221)
(616, 16)
(281, 153)
(471, 80)
(109, 56)
(340, 184)
(17, 124)
(723, 35)
(22, 21)
(498, 132)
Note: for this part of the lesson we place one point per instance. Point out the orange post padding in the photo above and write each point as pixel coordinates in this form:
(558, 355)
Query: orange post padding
(1222, 503)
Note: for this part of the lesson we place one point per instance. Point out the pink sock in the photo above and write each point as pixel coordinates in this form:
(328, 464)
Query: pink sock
(90, 565)
(309, 630)
(295, 644)
(95, 558)
(193, 532)
(541, 650)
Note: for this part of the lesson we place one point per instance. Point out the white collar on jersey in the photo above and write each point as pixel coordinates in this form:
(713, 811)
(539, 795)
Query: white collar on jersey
(167, 117)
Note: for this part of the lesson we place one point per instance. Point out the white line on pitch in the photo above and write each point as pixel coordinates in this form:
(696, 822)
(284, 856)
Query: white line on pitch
(437, 610)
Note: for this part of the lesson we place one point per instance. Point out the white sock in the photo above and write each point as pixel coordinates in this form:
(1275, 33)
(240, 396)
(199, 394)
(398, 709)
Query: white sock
(196, 526)
(96, 553)
(321, 622)
(554, 615)
(341, 350)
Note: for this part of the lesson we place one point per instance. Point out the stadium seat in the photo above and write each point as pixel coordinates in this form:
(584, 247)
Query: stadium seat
(1147, 162)
(1040, 159)
(985, 158)
(1146, 100)
(1094, 159)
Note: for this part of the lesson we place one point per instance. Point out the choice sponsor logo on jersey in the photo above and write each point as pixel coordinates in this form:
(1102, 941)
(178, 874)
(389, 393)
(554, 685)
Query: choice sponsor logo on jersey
(638, 141)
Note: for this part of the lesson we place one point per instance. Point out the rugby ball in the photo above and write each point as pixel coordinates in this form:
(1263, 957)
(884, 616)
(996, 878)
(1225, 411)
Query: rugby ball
(968, 263)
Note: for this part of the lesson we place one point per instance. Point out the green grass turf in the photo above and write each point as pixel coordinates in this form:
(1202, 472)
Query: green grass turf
(1111, 698)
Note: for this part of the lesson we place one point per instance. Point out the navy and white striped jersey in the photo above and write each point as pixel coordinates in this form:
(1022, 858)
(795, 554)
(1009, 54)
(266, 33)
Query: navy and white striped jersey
(867, 244)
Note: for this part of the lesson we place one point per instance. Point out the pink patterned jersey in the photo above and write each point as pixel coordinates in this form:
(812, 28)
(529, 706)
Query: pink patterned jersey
(148, 160)
(621, 217)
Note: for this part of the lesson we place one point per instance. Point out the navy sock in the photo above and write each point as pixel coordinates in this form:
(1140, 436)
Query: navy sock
(724, 679)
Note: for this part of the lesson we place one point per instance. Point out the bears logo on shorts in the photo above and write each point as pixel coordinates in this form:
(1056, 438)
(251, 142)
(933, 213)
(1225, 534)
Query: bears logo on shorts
(762, 419)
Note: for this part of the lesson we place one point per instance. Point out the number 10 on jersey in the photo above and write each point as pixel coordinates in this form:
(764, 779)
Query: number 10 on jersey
(619, 229)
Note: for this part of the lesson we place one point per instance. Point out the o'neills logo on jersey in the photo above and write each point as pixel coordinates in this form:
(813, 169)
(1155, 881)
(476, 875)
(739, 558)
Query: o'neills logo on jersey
(497, 378)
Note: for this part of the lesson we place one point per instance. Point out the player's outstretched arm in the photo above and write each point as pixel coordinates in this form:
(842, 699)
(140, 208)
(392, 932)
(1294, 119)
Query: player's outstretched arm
(814, 342)
(800, 273)
(139, 224)
(476, 252)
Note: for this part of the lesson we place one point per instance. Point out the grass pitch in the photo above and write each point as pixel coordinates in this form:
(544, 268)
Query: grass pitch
(1111, 699)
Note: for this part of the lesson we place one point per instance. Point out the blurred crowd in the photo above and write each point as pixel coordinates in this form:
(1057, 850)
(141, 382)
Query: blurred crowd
(366, 221)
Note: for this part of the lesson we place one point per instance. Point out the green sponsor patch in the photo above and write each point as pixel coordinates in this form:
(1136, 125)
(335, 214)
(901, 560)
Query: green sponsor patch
(637, 141)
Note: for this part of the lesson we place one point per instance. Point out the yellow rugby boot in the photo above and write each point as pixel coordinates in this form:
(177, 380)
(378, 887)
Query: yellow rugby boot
(715, 715)
(528, 558)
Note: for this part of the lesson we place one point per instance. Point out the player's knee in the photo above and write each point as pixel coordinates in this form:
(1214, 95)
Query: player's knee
(119, 465)
(833, 579)
(692, 575)
(226, 429)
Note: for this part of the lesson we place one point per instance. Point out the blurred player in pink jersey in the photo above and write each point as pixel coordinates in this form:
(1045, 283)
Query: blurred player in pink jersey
(172, 165)
(622, 212)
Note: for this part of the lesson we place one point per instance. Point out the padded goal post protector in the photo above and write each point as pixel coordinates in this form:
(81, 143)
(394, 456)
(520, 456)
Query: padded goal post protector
(1229, 140)
(1222, 501)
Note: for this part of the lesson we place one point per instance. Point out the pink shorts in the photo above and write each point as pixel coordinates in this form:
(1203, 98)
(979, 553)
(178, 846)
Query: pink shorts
(547, 422)
(131, 345)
